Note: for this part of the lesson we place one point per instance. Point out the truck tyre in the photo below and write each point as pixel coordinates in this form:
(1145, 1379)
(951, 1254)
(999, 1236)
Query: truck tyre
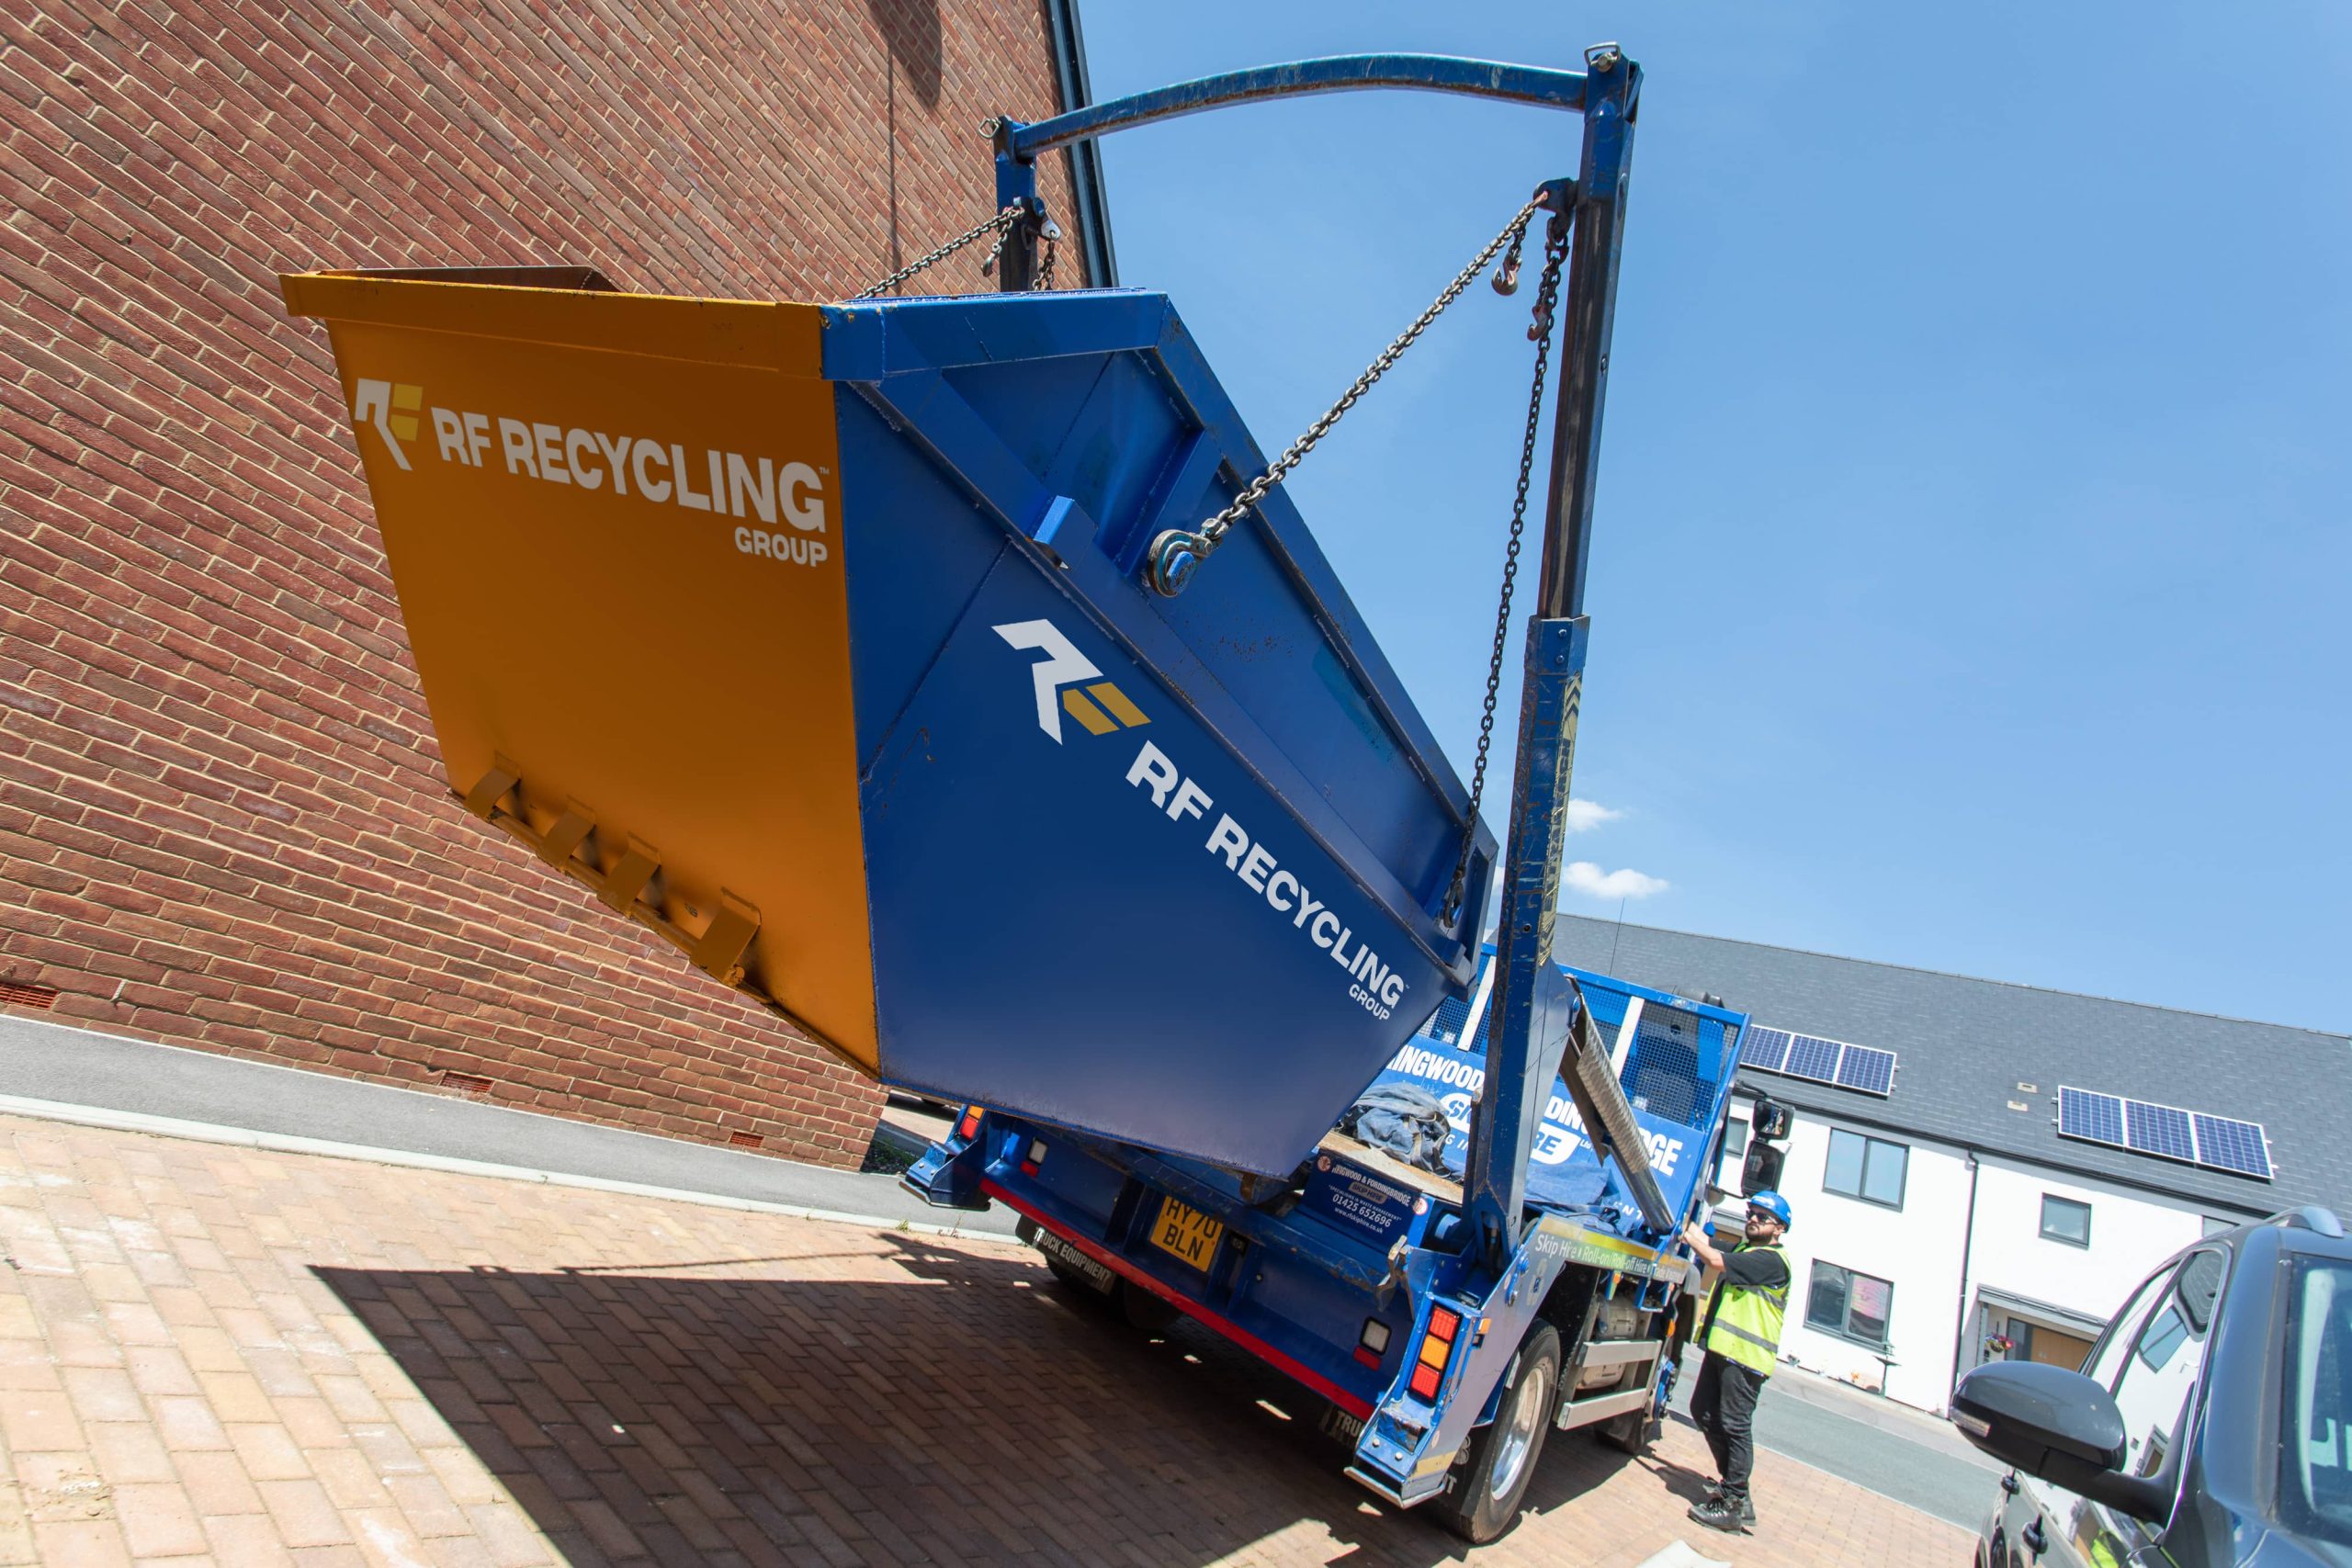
(1145, 1311)
(1078, 1284)
(1499, 1461)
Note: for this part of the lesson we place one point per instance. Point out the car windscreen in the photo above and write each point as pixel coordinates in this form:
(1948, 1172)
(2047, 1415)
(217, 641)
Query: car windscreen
(2315, 1447)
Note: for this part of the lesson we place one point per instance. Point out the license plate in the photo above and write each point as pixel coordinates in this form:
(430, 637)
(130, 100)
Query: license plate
(1184, 1233)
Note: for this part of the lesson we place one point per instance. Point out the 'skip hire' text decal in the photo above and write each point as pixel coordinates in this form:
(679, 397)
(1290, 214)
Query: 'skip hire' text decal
(1066, 682)
(788, 498)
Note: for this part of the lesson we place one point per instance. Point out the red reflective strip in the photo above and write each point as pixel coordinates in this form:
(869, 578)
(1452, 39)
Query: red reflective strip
(1368, 1356)
(1231, 1330)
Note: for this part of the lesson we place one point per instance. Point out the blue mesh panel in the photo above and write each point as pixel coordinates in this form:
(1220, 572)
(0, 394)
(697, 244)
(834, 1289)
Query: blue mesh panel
(1446, 1025)
(1663, 1073)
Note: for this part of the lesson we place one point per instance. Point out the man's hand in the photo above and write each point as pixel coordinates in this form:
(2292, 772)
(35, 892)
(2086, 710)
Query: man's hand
(1697, 1237)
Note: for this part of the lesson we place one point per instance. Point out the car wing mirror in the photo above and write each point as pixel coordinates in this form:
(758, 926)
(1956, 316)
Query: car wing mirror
(2057, 1425)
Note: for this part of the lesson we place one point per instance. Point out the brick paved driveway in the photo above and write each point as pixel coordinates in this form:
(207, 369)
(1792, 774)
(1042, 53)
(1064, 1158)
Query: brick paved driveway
(213, 1355)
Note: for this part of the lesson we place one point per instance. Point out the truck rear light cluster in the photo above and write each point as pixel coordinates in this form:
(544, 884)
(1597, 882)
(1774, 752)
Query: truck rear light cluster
(1034, 1157)
(1374, 1343)
(1436, 1346)
(969, 1127)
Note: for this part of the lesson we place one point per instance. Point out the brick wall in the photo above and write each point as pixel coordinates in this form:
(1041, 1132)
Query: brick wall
(222, 818)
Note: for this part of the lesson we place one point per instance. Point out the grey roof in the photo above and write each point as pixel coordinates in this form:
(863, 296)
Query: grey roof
(1965, 1045)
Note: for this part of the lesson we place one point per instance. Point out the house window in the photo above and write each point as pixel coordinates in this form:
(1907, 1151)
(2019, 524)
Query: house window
(1849, 1304)
(2065, 1220)
(1734, 1148)
(1869, 1169)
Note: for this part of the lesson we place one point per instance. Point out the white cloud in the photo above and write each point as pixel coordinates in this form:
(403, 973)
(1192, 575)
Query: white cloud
(1586, 815)
(1583, 876)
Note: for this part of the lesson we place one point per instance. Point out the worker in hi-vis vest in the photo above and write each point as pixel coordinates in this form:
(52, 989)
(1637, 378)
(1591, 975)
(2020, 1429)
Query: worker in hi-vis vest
(1742, 1339)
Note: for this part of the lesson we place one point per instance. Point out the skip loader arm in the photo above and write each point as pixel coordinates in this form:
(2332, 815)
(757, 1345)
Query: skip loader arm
(1475, 1298)
(1533, 1026)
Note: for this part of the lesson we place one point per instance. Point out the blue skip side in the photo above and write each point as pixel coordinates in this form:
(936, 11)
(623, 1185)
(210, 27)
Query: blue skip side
(1169, 872)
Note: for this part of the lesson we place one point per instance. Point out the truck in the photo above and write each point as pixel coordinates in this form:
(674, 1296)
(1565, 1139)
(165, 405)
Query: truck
(1441, 1364)
(953, 677)
(1526, 1271)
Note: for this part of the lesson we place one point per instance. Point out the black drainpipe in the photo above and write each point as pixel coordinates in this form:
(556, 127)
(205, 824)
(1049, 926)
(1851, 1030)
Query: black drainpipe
(1093, 219)
(1967, 1250)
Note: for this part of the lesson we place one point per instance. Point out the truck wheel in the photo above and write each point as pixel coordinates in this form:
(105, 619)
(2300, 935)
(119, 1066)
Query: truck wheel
(1078, 1284)
(1144, 1311)
(1500, 1459)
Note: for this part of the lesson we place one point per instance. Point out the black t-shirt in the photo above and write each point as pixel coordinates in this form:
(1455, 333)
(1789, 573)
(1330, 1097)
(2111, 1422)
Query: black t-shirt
(1756, 1269)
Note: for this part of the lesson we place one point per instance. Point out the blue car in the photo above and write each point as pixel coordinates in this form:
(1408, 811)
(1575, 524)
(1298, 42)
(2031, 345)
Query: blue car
(2211, 1426)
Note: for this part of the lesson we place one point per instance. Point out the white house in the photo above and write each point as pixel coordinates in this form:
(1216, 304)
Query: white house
(1943, 1216)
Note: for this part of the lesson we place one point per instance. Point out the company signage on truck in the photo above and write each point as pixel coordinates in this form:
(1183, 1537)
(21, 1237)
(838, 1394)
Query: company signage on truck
(1454, 1076)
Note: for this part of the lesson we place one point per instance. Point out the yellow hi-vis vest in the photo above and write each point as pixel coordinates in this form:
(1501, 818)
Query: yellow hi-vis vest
(1747, 1321)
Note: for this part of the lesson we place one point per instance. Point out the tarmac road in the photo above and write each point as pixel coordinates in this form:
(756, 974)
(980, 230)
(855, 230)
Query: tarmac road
(1891, 1449)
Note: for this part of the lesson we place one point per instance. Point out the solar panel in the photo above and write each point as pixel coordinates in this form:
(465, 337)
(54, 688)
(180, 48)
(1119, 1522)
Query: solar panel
(1868, 1069)
(2095, 1118)
(2228, 1144)
(2193, 1138)
(2158, 1130)
(1764, 1049)
(1810, 1057)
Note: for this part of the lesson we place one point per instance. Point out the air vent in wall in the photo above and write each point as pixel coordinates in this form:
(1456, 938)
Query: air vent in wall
(16, 993)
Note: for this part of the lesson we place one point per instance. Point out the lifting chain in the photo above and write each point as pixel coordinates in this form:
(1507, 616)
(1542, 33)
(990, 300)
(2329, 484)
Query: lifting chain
(1178, 552)
(1547, 298)
(1003, 224)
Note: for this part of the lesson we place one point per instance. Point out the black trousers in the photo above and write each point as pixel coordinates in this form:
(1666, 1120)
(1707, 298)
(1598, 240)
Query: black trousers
(1725, 1407)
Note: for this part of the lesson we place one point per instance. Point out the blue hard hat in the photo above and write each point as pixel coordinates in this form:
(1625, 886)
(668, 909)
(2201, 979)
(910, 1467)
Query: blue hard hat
(1771, 1203)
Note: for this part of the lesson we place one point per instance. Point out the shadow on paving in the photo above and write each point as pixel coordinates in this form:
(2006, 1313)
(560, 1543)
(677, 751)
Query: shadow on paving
(972, 1411)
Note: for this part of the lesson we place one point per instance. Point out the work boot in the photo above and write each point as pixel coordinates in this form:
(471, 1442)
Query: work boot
(1748, 1505)
(1726, 1513)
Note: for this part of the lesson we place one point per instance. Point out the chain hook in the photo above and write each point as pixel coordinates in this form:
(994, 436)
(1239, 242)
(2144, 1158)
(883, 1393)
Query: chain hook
(1505, 279)
(1002, 222)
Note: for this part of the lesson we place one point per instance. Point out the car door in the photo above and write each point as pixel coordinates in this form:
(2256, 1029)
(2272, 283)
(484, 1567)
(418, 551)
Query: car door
(2153, 1360)
(2024, 1534)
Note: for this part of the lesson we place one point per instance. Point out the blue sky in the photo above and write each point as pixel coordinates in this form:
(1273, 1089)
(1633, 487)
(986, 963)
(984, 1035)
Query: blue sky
(1969, 583)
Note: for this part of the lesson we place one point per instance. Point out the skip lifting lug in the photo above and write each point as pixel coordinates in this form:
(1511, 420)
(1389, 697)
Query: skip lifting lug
(1557, 197)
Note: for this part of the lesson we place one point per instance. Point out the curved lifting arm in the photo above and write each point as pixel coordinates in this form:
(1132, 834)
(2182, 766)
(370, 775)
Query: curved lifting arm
(1531, 1011)
(1339, 73)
